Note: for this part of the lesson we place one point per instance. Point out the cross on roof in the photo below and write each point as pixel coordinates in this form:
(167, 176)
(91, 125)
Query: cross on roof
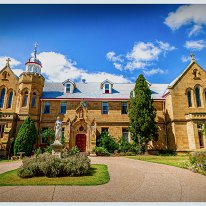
(192, 57)
(35, 49)
(7, 61)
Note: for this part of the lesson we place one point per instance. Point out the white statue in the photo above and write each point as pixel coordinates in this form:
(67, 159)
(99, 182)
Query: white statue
(58, 130)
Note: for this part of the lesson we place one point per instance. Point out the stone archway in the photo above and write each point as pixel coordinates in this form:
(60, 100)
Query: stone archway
(81, 130)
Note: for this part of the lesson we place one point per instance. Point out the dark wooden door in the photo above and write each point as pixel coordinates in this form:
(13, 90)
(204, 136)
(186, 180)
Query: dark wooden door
(81, 142)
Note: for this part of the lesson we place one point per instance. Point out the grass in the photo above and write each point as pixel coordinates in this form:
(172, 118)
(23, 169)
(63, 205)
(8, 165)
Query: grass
(167, 160)
(97, 175)
(5, 160)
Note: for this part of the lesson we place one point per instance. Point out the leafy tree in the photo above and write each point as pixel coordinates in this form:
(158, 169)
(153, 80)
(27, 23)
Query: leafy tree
(26, 137)
(49, 135)
(142, 114)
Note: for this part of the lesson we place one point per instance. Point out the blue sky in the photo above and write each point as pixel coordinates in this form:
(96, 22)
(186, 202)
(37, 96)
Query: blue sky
(96, 42)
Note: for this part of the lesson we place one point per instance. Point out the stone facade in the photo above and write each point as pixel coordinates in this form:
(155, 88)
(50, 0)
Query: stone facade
(179, 121)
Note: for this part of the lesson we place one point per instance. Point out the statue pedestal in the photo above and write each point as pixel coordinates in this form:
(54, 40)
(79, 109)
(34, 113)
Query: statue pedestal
(57, 148)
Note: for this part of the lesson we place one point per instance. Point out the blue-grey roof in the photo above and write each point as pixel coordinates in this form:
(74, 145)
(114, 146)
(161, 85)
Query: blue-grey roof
(92, 90)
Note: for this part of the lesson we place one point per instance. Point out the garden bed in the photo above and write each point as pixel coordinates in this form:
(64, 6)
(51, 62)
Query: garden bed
(97, 175)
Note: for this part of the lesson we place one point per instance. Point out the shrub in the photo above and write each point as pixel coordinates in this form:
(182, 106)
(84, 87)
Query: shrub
(70, 152)
(167, 152)
(124, 146)
(26, 137)
(74, 150)
(106, 141)
(52, 166)
(136, 148)
(48, 135)
(100, 151)
(198, 161)
(38, 151)
(48, 149)
(130, 154)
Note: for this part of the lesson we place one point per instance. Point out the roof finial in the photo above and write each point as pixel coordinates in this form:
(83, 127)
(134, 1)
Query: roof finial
(192, 57)
(7, 62)
(35, 49)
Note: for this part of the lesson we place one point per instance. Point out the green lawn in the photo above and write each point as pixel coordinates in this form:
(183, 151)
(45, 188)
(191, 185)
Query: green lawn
(167, 160)
(1, 161)
(97, 175)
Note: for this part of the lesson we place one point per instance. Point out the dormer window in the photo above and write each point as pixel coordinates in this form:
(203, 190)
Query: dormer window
(106, 89)
(107, 86)
(68, 88)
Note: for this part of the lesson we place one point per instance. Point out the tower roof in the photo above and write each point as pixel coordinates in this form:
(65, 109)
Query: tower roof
(34, 59)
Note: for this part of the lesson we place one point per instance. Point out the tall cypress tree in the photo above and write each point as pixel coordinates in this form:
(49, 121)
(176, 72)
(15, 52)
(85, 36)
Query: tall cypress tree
(26, 137)
(142, 114)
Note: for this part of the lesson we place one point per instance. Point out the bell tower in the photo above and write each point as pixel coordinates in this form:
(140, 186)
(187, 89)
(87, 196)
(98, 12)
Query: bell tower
(31, 84)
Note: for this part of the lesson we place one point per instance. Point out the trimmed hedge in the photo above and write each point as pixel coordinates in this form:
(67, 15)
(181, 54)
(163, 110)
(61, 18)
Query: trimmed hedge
(52, 166)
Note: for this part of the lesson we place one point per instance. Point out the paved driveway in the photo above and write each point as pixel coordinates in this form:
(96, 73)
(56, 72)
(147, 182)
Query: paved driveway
(131, 181)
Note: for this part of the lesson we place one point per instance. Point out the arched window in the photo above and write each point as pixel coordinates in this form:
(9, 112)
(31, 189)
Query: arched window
(10, 99)
(25, 100)
(197, 95)
(189, 99)
(33, 100)
(2, 97)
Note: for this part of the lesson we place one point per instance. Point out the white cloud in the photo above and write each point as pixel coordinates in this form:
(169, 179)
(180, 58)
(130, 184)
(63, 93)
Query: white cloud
(186, 15)
(165, 46)
(185, 59)
(111, 56)
(101, 76)
(142, 54)
(196, 29)
(195, 45)
(155, 71)
(58, 68)
(12, 63)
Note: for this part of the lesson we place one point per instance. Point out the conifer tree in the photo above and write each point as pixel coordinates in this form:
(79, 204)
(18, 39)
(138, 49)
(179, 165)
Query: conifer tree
(142, 114)
(26, 137)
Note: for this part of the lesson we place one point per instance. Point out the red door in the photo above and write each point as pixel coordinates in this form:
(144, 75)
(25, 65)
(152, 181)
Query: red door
(81, 142)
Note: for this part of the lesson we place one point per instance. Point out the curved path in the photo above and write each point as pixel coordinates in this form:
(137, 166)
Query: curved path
(131, 181)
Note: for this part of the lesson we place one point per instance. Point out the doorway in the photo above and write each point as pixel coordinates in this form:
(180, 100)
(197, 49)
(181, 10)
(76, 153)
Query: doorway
(81, 142)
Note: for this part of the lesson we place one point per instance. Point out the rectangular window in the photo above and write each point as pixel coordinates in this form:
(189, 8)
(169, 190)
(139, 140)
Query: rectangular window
(2, 130)
(106, 86)
(125, 134)
(43, 140)
(105, 129)
(25, 100)
(63, 107)
(33, 102)
(105, 108)
(124, 107)
(68, 88)
(46, 108)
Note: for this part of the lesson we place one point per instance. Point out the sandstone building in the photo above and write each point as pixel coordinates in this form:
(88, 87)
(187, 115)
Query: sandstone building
(88, 108)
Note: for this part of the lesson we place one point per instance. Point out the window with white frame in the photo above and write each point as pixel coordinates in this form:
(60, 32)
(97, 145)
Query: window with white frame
(106, 88)
(46, 107)
(63, 107)
(124, 107)
(68, 88)
(125, 134)
(105, 108)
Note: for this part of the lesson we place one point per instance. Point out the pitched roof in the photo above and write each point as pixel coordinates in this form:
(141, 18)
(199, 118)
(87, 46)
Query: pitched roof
(174, 82)
(91, 90)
